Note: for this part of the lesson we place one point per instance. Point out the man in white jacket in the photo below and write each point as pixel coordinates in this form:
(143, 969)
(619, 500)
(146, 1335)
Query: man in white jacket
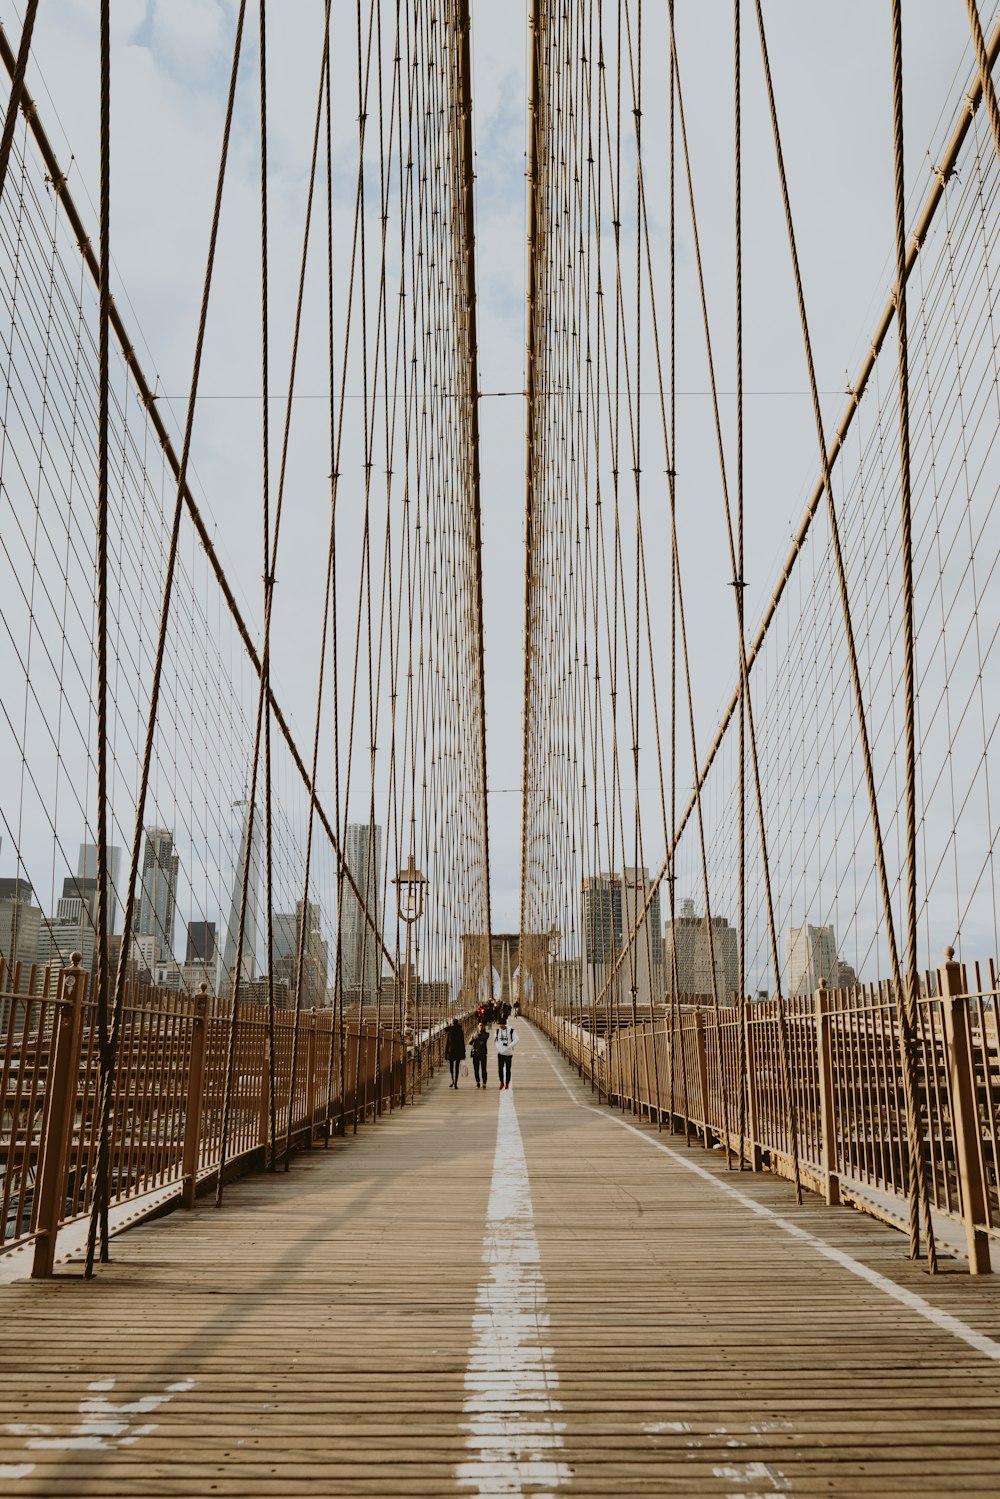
(506, 1039)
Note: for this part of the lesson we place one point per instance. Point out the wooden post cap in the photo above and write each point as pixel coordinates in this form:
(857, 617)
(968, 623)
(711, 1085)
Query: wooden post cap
(75, 959)
(949, 954)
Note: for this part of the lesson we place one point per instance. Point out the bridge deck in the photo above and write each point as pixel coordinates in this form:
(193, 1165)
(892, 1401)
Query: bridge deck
(550, 1303)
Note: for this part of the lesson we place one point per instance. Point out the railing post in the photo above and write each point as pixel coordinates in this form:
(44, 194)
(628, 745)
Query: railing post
(753, 1123)
(195, 1101)
(60, 1113)
(264, 1113)
(702, 1055)
(311, 1075)
(963, 1091)
(827, 1112)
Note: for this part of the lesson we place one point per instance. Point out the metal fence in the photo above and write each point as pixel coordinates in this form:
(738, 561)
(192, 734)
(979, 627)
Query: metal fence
(167, 1109)
(692, 1069)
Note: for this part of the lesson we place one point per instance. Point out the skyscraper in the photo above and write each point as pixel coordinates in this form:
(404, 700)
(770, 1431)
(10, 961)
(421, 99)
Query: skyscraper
(643, 962)
(200, 942)
(287, 928)
(20, 922)
(601, 903)
(158, 898)
(611, 904)
(86, 869)
(360, 949)
(248, 963)
(687, 955)
(812, 955)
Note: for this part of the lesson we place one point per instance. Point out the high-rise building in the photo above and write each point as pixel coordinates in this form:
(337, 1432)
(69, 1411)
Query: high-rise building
(611, 904)
(79, 896)
(142, 960)
(643, 961)
(286, 932)
(158, 898)
(601, 913)
(61, 936)
(20, 922)
(86, 869)
(248, 954)
(200, 942)
(688, 953)
(359, 946)
(812, 955)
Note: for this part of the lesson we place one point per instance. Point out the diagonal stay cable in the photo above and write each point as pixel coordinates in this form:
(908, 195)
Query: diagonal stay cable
(17, 90)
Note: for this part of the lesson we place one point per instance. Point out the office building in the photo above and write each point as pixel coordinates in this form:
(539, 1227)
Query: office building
(611, 905)
(142, 961)
(643, 961)
(811, 953)
(61, 936)
(158, 896)
(79, 897)
(86, 869)
(286, 934)
(601, 917)
(688, 949)
(248, 953)
(20, 922)
(200, 943)
(360, 947)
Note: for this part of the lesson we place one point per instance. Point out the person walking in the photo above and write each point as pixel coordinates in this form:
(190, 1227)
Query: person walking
(478, 1047)
(506, 1039)
(454, 1050)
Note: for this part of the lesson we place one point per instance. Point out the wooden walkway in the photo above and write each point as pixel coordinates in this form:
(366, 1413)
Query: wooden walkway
(504, 1294)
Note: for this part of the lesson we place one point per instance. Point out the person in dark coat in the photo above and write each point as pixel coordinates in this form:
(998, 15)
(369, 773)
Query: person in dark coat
(480, 1050)
(454, 1049)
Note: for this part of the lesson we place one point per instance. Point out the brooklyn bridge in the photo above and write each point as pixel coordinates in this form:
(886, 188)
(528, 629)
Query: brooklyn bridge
(499, 681)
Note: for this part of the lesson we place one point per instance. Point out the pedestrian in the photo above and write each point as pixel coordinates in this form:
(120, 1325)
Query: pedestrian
(454, 1049)
(506, 1039)
(479, 1045)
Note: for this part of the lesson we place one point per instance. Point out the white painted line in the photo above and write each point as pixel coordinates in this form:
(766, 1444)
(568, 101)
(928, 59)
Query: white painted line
(510, 1379)
(911, 1299)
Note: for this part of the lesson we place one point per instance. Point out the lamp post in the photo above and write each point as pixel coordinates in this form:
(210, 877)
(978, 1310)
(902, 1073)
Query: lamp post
(553, 940)
(411, 888)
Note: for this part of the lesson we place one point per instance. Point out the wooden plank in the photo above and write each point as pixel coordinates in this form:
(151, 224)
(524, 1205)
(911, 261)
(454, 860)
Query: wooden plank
(314, 1336)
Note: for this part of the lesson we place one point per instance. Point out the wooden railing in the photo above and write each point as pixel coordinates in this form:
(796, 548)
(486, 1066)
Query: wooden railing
(846, 1084)
(167, 1113)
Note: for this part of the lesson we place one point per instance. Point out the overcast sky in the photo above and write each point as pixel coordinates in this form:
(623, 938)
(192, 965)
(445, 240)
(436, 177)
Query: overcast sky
(831, 65)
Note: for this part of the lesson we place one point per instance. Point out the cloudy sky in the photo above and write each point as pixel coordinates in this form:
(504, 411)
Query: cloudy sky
(831, 66)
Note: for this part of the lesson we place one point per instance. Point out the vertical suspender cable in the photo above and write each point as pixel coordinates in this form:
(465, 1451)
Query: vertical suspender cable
(265, 659)
(739, 584)
(472, 359)
(918, 1177)
(102, 1190)
(535, 108)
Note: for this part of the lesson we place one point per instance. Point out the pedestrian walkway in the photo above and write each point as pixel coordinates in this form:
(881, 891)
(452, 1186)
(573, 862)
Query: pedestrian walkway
(492, 1293)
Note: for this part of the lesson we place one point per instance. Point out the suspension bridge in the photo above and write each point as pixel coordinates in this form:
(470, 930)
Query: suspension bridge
(731, 1230)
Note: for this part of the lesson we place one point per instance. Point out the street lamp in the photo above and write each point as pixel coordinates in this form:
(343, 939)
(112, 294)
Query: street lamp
(411, 888)
(554, 940)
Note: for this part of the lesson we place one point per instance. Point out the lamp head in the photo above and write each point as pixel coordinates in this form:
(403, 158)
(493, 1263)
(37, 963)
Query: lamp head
(411, 886)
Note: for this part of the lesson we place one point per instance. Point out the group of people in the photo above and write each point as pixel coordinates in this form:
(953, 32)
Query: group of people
(504, 1040)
